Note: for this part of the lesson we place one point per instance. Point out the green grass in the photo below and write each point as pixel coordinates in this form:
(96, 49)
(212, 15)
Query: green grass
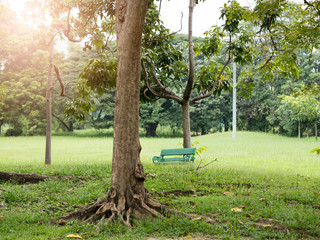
(274, 180)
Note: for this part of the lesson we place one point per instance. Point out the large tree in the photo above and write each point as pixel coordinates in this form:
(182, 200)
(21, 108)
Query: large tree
(127, 193)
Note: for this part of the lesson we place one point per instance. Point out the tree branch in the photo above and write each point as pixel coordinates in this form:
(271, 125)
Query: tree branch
(67, 29)
(266, 63)
(196, 99)
(168, 35)
(61, 121)
(63, 87)
(313, 6)
(165, 93)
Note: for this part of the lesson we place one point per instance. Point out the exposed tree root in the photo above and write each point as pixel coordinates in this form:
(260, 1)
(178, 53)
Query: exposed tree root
(114, 207)
(22, 178)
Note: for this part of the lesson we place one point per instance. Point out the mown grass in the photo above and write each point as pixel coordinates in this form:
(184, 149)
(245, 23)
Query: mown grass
(262, 187)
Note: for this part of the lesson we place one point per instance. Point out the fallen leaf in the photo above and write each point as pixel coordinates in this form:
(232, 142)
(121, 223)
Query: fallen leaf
(70, 189)
(239, 221)
(2, 203)
(73, 236)
(249, 190)
(264, 225)
(65, 203)
(316, 213)
(188, 236)
(247, 215)
(2, 218)
(227, 222)
(236, 209)
(243, 206)
(228, 193)
(264, 200)
(194, 195)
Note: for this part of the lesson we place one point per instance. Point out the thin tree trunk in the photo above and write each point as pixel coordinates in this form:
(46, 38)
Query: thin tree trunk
(187, 93)
(49, 106)
(316, 128)
(186, 125)
(1, 123)
(299, 125)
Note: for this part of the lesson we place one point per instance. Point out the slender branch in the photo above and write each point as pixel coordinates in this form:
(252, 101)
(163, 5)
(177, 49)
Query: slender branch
(67, 29)
(61, 121)
(313, 6)
(203, 166)
(196, 99)
(149, 98)
(266, 63)
(51, 40)
(165, 93)
(63, 87)
(168, 35)
(146, 80)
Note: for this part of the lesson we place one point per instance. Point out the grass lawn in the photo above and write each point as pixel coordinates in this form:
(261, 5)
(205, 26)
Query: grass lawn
(262, 187)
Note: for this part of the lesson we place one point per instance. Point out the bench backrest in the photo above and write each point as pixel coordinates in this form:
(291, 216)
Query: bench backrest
(178, 151)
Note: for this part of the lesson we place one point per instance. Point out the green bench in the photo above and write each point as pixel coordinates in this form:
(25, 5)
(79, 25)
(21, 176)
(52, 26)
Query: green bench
(175, 155)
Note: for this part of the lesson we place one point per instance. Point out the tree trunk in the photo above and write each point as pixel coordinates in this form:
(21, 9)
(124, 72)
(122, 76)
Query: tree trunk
(187, 92)
(299, 127)
(49, 106)
(1, 123)
(226, 124)
(127, 172)
(186, 125)
(70, 129)
(151, 129)
(127, 193)
(316, 128)
(280, 130)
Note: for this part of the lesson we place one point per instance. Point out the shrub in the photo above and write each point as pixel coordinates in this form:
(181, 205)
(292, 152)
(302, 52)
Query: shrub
(13, 132)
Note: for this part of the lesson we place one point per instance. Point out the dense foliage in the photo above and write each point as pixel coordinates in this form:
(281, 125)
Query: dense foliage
(283, 98)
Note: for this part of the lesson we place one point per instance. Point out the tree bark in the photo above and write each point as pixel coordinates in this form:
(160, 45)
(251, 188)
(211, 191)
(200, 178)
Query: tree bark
(186, 124)
(49, 106)
(299, 127)
(127, 171)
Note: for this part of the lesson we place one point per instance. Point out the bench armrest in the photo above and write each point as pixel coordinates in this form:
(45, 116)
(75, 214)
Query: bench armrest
(188, 157)
(156, 159)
